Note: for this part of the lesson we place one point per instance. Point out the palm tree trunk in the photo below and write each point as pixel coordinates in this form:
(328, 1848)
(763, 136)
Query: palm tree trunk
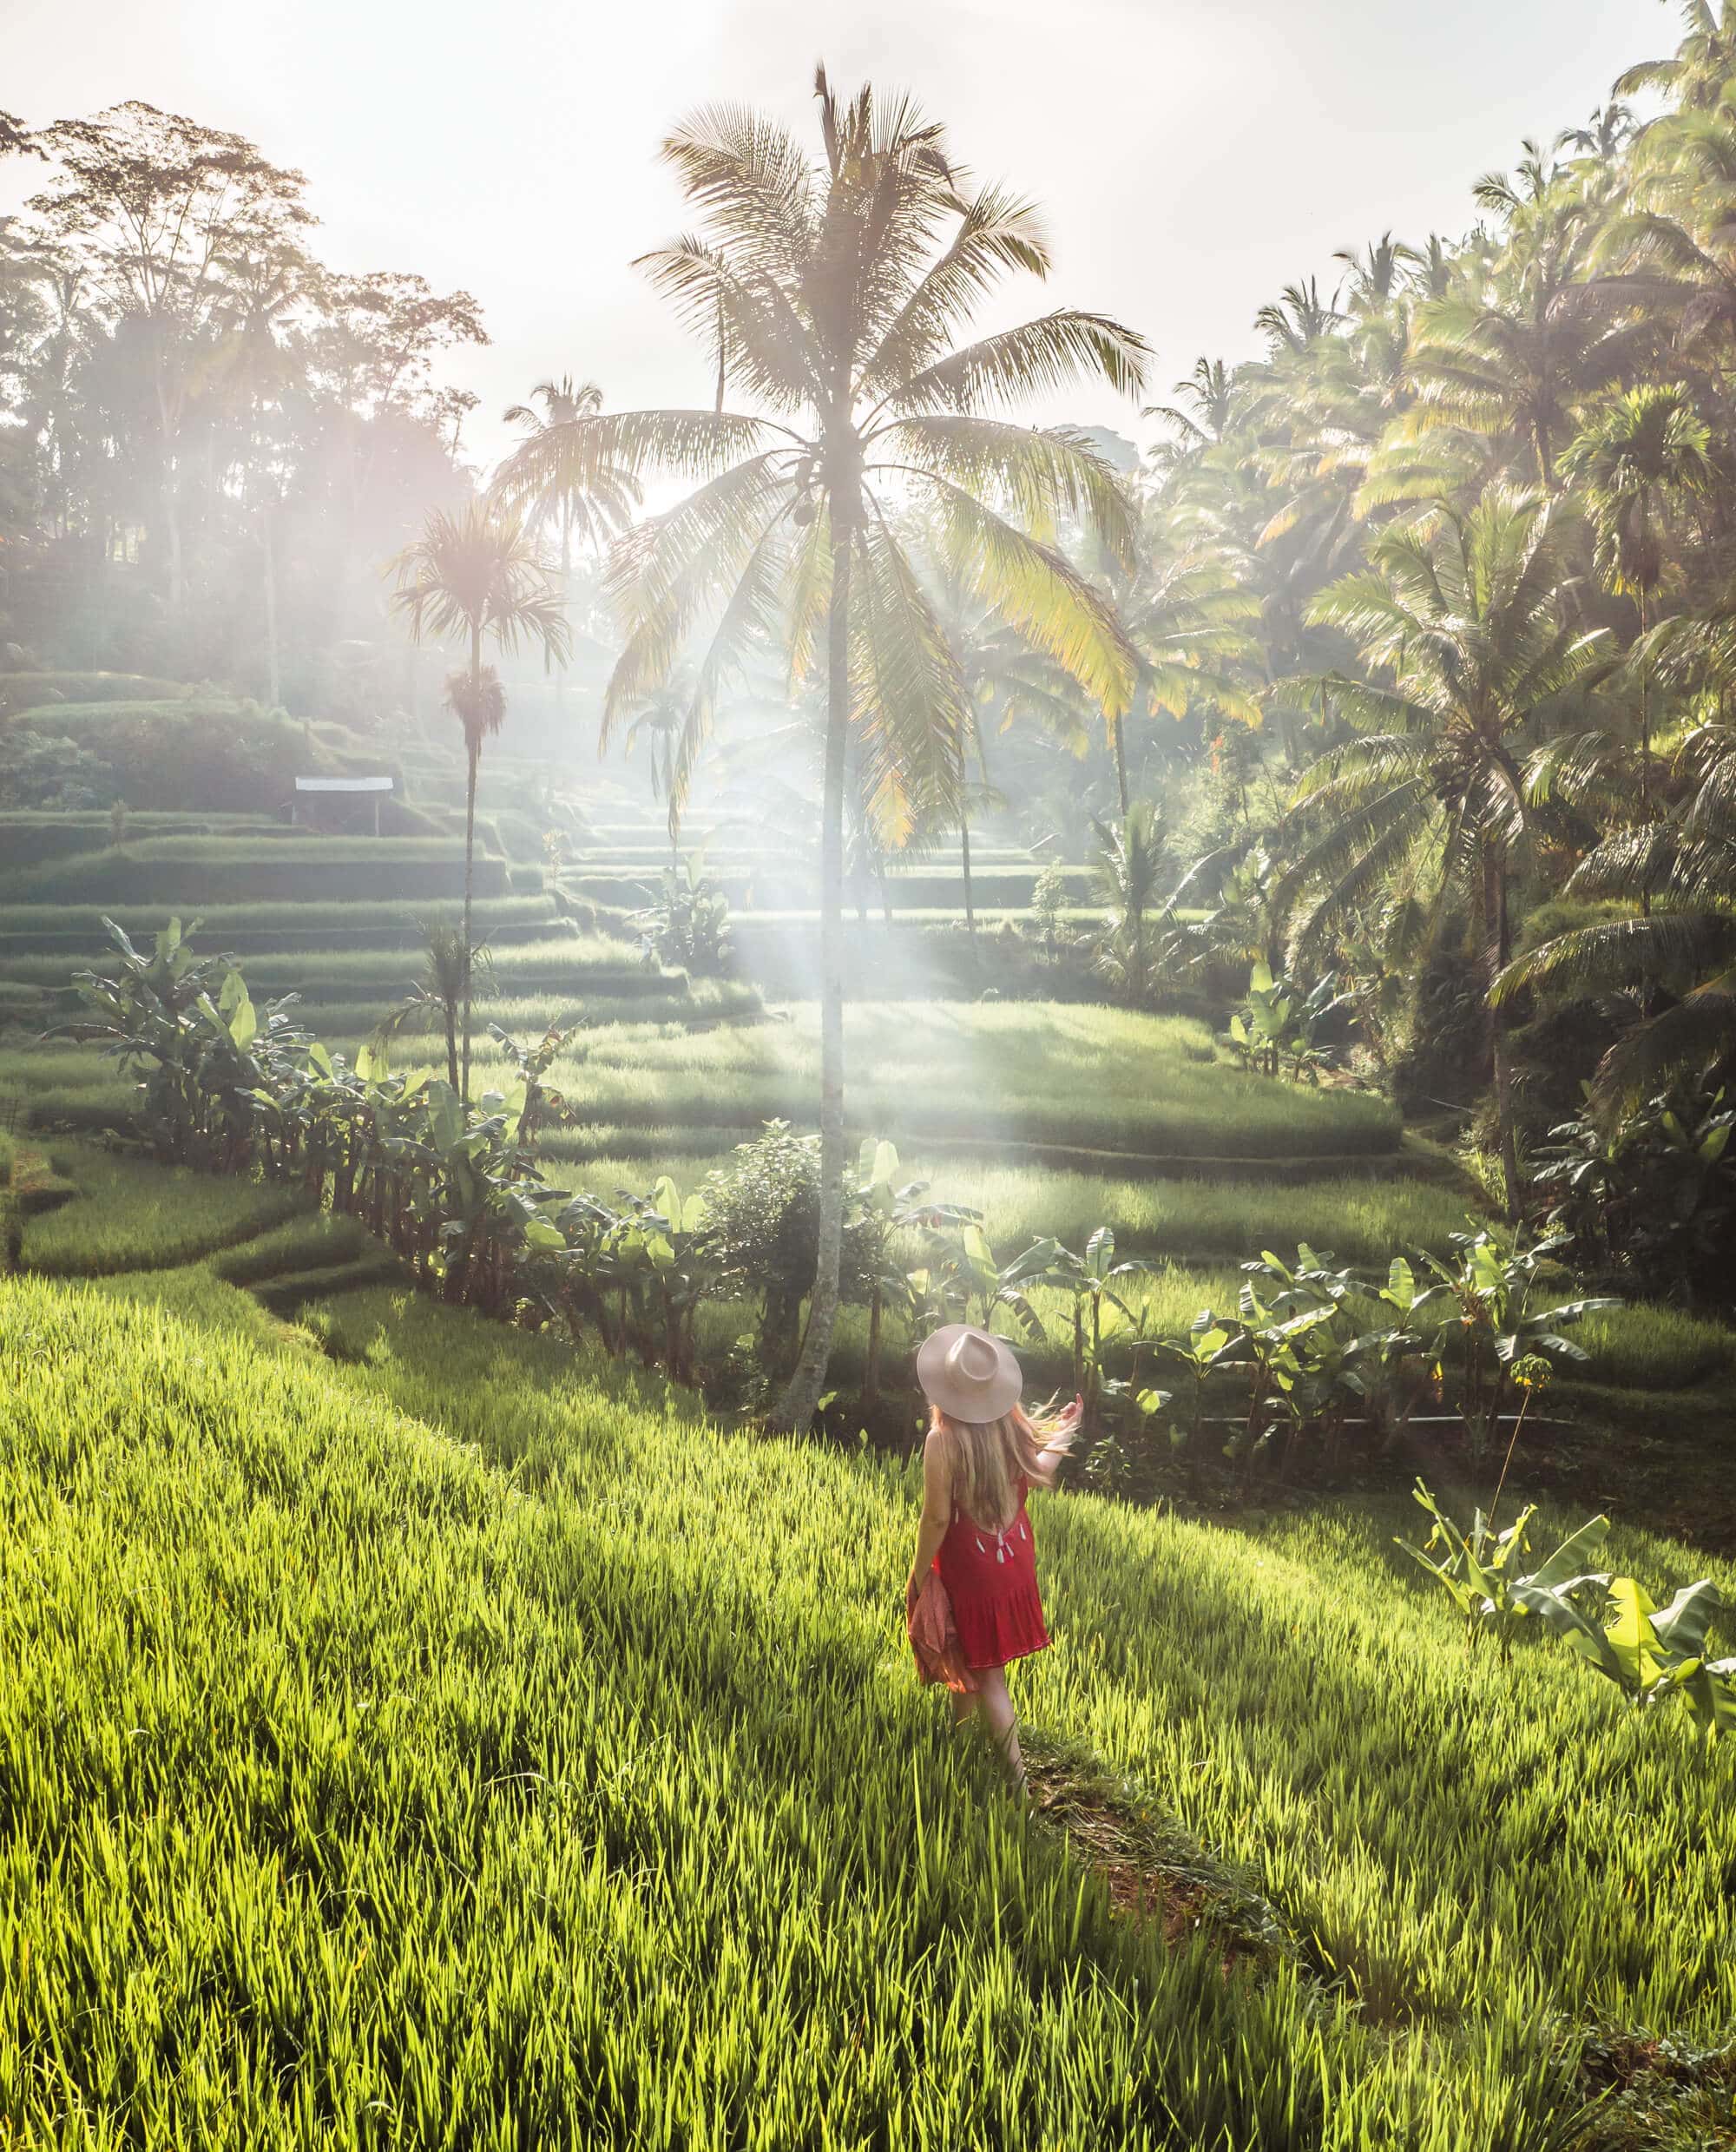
(1645, 768)
(274, 672)
(1118, 733)
(1495, 955)
(797, 1405)
(964, 858)
(472, 756)
(566, 604)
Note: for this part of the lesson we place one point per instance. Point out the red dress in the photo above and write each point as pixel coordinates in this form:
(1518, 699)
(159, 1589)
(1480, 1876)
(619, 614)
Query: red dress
(990, 1578)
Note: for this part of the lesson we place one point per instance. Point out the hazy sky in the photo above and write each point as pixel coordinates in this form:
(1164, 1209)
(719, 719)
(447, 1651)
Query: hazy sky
(1192, 158)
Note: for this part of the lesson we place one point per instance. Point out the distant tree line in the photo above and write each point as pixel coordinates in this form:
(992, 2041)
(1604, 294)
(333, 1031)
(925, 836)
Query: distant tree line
(209, 437)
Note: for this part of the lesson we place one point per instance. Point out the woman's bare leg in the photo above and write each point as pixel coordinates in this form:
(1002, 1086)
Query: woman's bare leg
(963, 1705)
(1001, 1719)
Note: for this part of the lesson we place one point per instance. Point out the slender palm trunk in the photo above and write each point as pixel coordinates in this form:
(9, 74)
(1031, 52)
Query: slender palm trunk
(1118, 733)
(171, 500)
(1495, 955)
(800, 1398)
(566, 605)
(473, 747)
(273, 673)
(964, 859)
(1645, 755)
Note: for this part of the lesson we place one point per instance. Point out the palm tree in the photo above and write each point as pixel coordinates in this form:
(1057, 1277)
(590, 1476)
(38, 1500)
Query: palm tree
(1204, 412)
(831, 292)
(1128, 870)
(1646, 449)
(1517, 359)
(1686, 865)
(549, 484)
(1375, 276)
(1605, 133)
(661, 714)
(1703, 64)
(1462, 614)
(477, 576)
(436, 999)
(1298, 317)
(1190, 621)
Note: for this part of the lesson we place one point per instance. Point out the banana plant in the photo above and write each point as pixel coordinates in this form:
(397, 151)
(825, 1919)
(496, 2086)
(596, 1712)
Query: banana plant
(1495, 1322)
(1479, 1569)
(1099, 1313)
(1271, 1332)
(900, 1211)
(1209, 1348)
(1651, 1654)
(1281, 1024)
(673, 1237)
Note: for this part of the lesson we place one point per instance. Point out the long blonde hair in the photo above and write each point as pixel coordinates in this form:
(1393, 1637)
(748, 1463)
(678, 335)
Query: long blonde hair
(989, 1458)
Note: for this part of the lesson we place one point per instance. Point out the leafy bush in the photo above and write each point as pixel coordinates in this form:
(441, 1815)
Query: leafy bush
(38, 770)
(762, 1231)
(1653, 1198)
(688, 927)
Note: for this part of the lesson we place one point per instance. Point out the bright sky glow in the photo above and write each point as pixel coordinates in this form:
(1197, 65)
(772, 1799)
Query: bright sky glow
(1192, 158)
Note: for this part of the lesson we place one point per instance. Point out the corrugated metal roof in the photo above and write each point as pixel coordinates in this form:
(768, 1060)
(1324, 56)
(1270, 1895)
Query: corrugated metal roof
(343, 783)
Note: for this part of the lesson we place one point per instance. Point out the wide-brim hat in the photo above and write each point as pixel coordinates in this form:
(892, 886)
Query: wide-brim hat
(969, 1374)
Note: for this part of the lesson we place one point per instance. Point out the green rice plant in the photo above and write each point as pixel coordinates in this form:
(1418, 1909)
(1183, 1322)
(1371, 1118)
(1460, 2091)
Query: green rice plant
(1646, 1345)
(537, 1849)
(132, 1214)
(187, 872)
(1083, 1076)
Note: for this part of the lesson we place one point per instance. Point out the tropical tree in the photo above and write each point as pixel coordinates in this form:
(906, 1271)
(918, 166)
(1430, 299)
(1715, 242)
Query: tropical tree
(1461, 617)
(1190, 621)
(553, 483)
(1684, 940)
(1644, 451)
(1695, 75)
(831, 292)
(477, 577)
(1512, 357)
(1128, 870)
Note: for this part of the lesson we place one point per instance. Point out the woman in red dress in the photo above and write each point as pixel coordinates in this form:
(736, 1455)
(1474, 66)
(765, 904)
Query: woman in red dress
(983, 1455)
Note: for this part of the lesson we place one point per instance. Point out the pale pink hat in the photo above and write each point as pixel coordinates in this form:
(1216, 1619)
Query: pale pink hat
(969, 1374)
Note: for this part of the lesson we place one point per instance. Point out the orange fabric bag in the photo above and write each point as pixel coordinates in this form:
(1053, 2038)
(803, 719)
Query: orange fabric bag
(934, 1639)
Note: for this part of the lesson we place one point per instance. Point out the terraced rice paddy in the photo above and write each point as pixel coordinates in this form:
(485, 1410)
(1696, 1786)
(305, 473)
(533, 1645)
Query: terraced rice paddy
(452, 1734)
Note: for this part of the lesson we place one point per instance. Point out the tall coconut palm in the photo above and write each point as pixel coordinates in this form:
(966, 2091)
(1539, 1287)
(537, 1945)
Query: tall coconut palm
(475, 577)
(1697, 72)
(830, 291)
(658, 719)
(552, 487)
(1191, 622)
(1463, 615)
(1515, 358)
(1645, 450)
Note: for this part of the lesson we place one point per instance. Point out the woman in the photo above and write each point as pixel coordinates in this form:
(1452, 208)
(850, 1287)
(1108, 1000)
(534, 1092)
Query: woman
(982, 1455)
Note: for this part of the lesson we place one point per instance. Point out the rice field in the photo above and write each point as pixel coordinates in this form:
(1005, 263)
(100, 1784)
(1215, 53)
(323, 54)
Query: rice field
(189, 871)
(130, 1214)
(1084, 1076)
(454, 1740)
